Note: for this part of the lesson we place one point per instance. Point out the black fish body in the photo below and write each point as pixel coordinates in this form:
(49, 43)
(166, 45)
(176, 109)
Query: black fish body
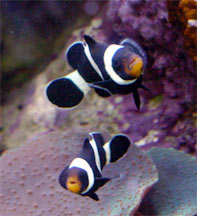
(109, 69)
(84, 175)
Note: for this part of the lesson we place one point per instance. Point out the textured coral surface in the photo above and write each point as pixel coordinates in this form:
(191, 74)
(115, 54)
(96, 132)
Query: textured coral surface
(29, 180)
(175, 192)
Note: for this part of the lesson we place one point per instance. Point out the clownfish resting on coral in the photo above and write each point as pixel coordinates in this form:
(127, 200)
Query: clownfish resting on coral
(109, 69)
(84, 175)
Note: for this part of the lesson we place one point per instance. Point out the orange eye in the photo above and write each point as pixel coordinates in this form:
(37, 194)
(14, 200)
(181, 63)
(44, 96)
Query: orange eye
(73, 184)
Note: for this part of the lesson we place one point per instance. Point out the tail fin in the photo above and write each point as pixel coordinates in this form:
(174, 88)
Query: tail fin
(68, 91)
(116, 148)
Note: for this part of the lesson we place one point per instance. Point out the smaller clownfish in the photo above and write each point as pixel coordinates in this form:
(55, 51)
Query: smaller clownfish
(108, 69)
(84, 175)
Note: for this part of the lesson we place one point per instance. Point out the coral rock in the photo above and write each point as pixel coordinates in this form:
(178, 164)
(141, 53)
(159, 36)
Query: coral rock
(184, 12)
(175, 192)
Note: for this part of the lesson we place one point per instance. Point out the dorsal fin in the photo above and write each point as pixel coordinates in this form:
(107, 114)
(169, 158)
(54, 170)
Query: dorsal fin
(74, 53)
(90, 41)
(86, 144)
(98, 138)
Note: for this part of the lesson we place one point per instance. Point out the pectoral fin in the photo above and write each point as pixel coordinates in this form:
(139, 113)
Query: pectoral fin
(106, 85)
(100, 90)
(145, 88)
(101, 181)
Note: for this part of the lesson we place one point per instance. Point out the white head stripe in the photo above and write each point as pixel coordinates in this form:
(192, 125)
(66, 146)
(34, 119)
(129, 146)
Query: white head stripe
(78, 79)
(82, 164)
(96, 153)
(107, 152)
(91, 60)
(108, 55)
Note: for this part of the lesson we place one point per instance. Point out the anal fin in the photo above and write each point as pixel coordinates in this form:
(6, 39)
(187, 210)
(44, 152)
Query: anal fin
(136, 99)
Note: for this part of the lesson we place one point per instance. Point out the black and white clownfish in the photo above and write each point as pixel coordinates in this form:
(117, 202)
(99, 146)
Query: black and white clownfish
(109, 69)
(84, 175)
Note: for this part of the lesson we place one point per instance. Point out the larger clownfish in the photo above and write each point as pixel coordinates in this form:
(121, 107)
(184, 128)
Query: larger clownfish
(109, 69)
(84, 175)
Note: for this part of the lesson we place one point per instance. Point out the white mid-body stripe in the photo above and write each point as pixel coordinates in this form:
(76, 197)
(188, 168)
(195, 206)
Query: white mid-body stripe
(108, 55)
(96, 153)
(83, 164)
(91, 60)
(107, 152)
(79, 80)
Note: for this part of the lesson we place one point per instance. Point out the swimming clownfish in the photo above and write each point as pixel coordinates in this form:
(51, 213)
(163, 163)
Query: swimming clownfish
(109, 69)
(84, 175)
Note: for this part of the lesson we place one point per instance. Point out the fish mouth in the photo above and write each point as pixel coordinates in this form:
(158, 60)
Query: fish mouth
(73, 184)
(134, 66)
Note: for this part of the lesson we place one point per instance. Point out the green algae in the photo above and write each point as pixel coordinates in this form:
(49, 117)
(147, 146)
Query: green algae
(155, 102)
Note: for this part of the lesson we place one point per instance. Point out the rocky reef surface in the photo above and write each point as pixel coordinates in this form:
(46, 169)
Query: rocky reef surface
(167, 117)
